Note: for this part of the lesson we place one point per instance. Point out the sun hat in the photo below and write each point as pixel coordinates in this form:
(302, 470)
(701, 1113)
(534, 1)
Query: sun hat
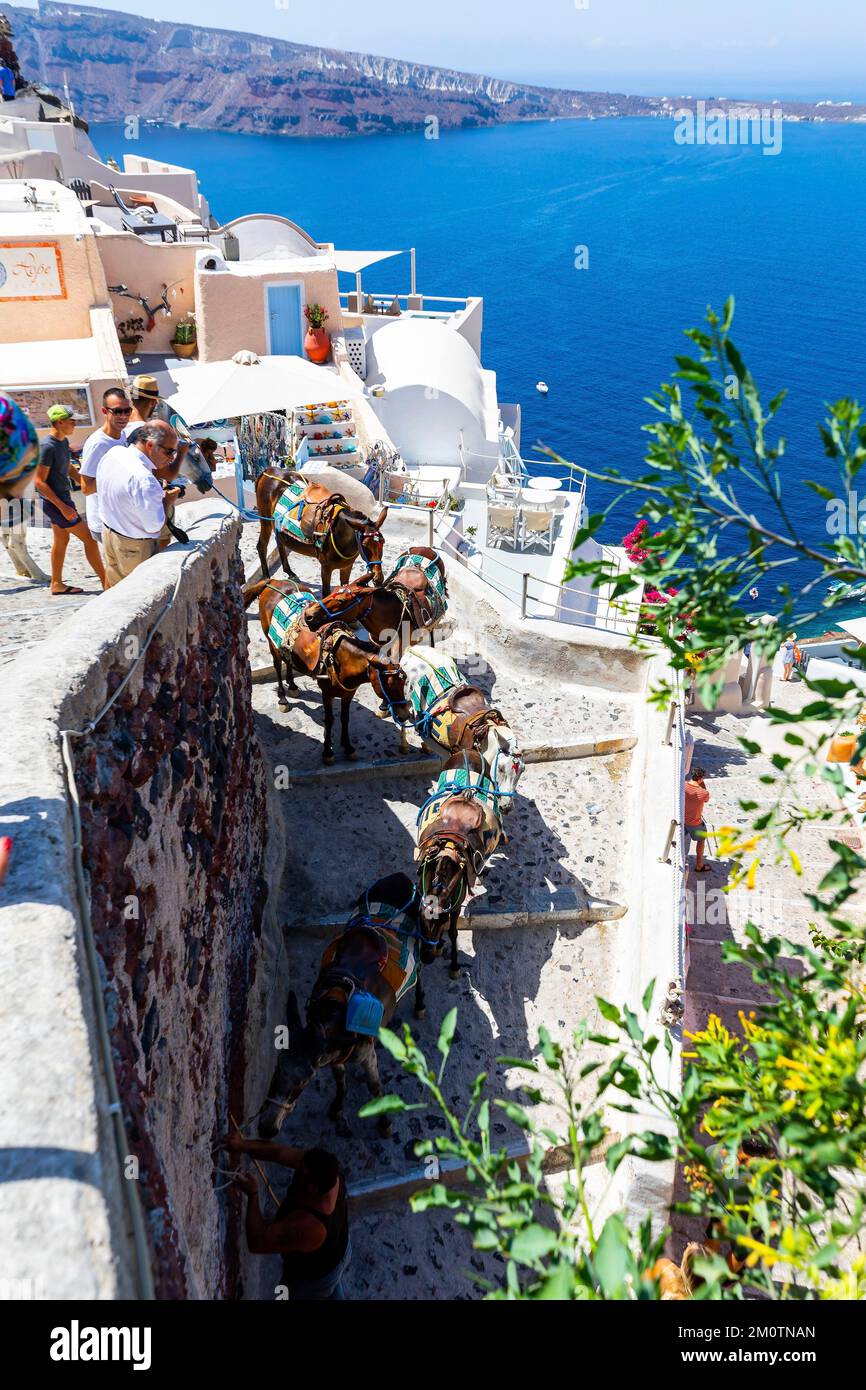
(56, 413)
(146, 387)
(19, 443)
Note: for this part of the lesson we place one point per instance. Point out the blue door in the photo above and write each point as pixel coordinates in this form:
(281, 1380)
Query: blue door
(284, 320)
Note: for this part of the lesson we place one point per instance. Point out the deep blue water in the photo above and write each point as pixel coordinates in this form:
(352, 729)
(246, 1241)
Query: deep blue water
(670, 229)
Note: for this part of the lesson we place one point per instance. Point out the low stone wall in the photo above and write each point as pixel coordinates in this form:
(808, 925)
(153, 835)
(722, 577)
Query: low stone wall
(175, 821)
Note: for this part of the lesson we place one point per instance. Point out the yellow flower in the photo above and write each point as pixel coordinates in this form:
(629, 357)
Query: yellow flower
(759, 1252)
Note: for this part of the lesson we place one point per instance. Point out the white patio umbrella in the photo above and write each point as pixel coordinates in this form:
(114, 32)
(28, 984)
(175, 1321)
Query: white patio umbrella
(249, 385)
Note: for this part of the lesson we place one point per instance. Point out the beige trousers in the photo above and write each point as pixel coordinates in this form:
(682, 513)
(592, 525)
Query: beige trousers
(123, 555)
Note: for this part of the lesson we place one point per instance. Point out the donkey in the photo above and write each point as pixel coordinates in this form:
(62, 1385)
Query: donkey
(398, 612)
(459, 828)
(457, 717)
(335, 657)
(363, 976)
(322, 525)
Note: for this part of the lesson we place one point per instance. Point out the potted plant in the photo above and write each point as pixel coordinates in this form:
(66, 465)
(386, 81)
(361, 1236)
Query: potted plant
(317, 344)
(184, 340)
(131, 334)
(842, 747)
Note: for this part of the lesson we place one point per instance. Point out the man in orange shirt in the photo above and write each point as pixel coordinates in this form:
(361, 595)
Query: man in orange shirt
(697, 797)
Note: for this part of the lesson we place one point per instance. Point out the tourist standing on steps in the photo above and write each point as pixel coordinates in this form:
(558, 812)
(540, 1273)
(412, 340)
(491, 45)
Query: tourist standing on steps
(311, 1228)
(52, 484)
(132, 503)
(116, 410)
(697, 797)
(789, 655)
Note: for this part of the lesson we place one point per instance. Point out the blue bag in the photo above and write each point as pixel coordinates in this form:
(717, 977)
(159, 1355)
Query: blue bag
(364, 1014)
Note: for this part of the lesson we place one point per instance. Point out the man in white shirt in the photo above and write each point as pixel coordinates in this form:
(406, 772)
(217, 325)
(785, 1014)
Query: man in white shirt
(132, 500)
(116, 409)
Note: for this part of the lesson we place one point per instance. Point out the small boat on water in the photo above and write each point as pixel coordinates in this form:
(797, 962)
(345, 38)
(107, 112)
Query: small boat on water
(542, 388)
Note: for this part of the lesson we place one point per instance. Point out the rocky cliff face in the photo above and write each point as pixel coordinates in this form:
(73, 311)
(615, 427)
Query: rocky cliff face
(118, 65)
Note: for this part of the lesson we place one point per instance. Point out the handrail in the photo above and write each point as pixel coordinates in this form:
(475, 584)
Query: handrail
(622, 626)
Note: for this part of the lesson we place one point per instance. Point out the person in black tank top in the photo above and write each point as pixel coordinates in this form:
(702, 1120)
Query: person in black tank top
(311, 1227)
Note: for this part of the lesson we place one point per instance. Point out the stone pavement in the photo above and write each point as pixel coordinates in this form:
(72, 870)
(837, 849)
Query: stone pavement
(570, 837)
(28, 612)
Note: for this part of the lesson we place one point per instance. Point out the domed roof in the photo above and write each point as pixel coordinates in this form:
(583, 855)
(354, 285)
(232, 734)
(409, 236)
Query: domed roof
(430, 357)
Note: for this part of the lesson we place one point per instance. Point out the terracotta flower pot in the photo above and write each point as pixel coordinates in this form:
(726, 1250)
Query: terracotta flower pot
(184, 349)
(317, 344)
(842, 748)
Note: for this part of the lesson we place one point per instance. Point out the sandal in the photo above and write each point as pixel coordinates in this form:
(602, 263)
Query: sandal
(67, 589)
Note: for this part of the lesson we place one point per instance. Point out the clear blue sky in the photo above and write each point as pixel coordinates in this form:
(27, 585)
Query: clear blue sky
(723, 47)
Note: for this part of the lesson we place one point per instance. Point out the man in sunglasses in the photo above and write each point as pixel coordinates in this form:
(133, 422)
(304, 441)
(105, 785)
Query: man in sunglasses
(116, 410)
(132, 502)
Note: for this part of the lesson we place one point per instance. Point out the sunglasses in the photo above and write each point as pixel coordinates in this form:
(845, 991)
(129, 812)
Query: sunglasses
(118, 410)
(170, 453)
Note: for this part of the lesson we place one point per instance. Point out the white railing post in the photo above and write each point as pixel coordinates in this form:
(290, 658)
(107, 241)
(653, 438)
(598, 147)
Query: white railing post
(524, 596)
(431, 517)
(669, 843)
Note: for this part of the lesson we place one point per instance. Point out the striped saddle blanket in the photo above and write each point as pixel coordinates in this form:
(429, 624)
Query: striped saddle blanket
(289, 511)
(436, 596)
(459, 782)
(430, 676)
(398, 960)
(286, 618)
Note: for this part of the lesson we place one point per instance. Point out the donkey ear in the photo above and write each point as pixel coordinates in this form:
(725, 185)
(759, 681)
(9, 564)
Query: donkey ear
(382, 519)
(293, 1013)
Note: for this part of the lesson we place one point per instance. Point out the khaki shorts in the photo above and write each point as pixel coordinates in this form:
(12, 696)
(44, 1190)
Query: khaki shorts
(123, 554)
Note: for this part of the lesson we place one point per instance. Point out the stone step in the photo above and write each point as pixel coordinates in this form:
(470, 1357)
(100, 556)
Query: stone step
(410, 766)
(551, 913)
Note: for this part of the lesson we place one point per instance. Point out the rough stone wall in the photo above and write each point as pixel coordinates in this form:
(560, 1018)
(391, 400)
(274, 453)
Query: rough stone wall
(173, 799)
(179, 845)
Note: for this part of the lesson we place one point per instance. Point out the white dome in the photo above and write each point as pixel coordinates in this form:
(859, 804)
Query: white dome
(435, 390)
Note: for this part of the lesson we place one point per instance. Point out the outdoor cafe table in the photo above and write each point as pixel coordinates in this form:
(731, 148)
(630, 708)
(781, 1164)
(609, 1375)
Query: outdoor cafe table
(545, 484)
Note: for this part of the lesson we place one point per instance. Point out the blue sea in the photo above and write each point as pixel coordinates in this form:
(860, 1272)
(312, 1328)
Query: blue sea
(669, 230)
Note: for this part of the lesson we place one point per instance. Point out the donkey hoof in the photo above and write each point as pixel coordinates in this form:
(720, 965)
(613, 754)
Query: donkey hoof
(456, 974)
(351, 755)
(420, 1013)
(328, 759)
(283, 706)
(385, 1128)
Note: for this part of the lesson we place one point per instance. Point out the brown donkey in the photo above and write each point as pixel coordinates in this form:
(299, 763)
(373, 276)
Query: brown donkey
(335, 657)
(459, 828)
(318, 523)
(364, 975)
(395, 614)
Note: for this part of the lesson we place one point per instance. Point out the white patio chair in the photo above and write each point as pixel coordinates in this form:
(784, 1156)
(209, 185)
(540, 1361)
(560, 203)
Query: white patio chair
(502, 523)
(537, 525)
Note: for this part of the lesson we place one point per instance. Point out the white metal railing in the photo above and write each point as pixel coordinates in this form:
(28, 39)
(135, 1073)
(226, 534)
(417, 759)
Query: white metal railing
(588, 607)
(382, 302)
